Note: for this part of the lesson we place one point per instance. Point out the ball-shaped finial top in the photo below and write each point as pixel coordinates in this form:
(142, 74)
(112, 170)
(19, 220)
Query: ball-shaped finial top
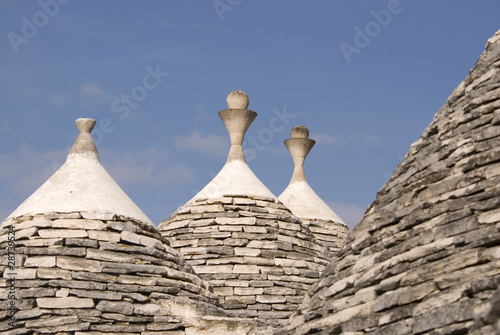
(299, 132)
(237, 100)
(85, 125)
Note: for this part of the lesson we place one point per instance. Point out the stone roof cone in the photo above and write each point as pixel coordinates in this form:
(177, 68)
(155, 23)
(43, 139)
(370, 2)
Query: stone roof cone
(257, 255)
(88, 261)
(82, 184)
(301, 199)
(425, 258)
(236, 177)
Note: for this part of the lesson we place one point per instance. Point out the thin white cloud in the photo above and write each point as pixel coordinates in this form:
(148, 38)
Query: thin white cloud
(325, 139)
(354, 137)
(22, 173)
(150, 168)
(364, 138)
(351, 214)
(28, 92)
(211, 144)
(25, 171)
(59, 99)
(275, 150)
(93, 93)
(202, 114)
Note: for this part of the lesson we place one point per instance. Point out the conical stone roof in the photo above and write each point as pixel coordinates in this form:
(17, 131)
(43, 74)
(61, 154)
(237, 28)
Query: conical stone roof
(82, 184)
(425, 259)
(82, 263)
(301, 199)
(236, 177)
(257, 255)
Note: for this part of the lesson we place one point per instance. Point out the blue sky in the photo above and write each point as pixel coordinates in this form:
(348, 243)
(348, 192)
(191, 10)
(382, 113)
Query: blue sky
(366, 78)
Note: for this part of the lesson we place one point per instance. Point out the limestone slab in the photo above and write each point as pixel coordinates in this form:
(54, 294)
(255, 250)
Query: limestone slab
(78, 264)
(62, 303)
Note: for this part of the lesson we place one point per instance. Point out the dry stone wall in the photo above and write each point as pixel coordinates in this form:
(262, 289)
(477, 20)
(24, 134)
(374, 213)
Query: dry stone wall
(328, 232)
(259, 258)
(79, 274)
(425, 259)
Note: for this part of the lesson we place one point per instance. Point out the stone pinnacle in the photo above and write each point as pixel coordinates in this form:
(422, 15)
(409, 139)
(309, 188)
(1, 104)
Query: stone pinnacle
(237, 118)
(84, 143)
(299, 146)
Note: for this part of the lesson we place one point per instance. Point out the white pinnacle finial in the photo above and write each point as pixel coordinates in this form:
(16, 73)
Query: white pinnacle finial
(237, 118)
(84, 143)
(299, 146)
(237, 100)
(299, 197)
(85, 125)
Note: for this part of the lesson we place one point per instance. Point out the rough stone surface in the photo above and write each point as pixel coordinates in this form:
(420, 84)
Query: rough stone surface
(259, 258)
(124, 290)
(425, 259)
(331, 233)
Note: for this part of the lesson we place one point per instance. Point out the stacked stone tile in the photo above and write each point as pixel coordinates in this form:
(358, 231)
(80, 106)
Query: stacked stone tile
(257, 255)
(331, 233)
(89, 264)
(425, 259)
(301, 199)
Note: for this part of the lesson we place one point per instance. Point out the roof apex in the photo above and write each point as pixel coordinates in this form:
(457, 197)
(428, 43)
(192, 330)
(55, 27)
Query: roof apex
(81, 184)
(299, 197)
(235, 177)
